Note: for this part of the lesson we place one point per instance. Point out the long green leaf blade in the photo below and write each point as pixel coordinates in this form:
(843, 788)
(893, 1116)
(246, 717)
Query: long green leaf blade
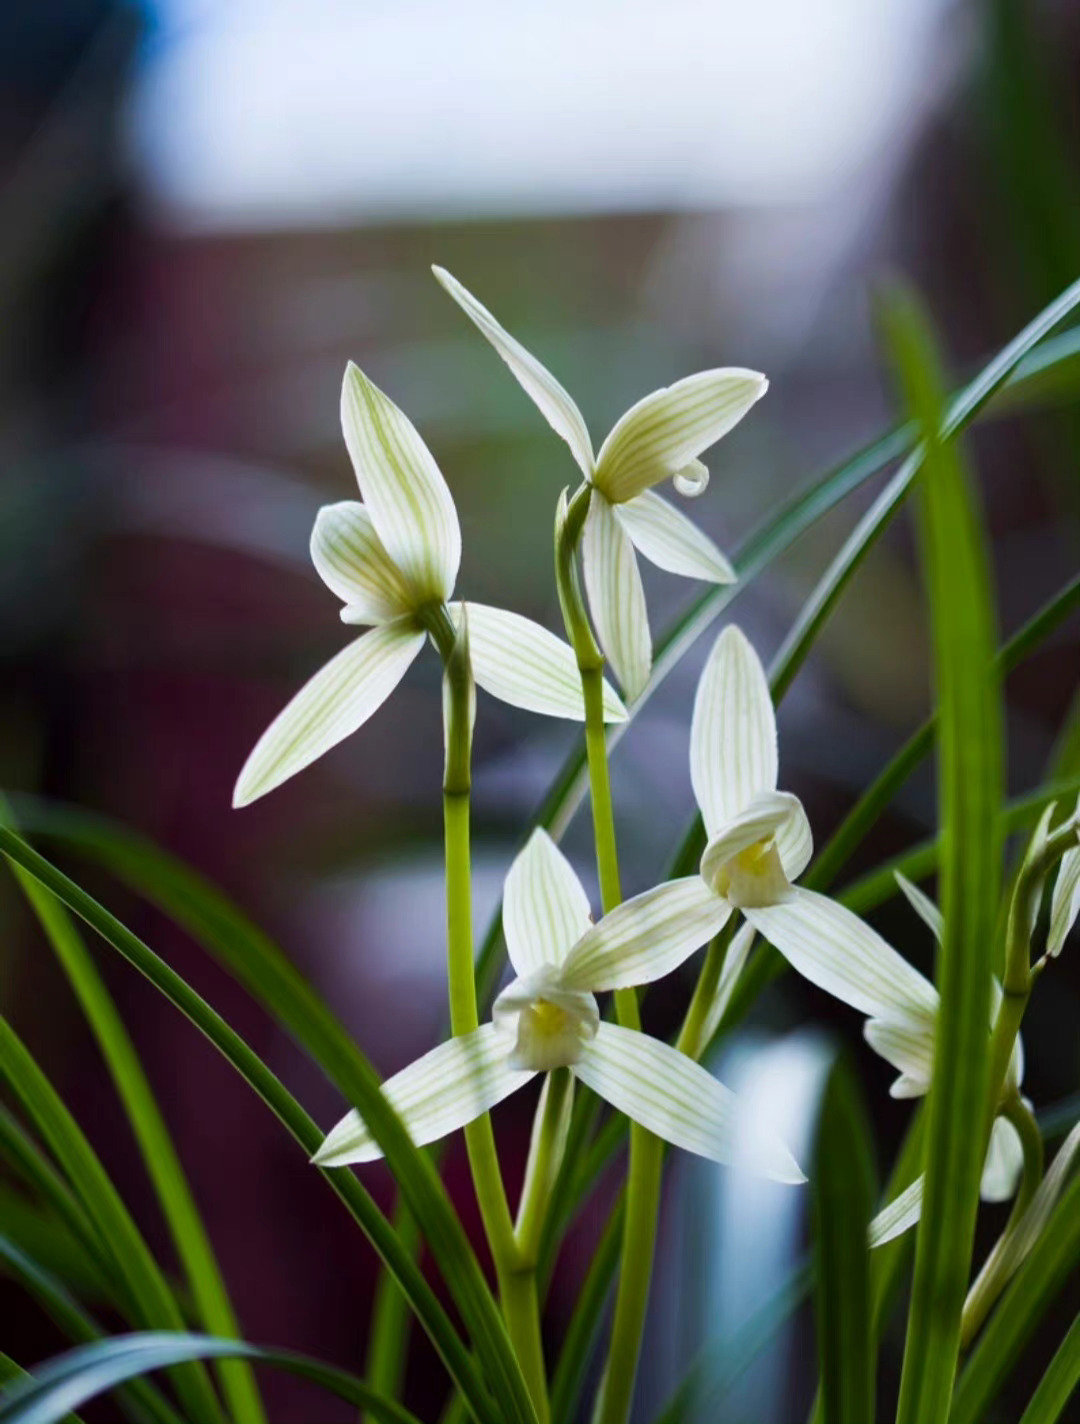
(1059, 1383)
(971, 778)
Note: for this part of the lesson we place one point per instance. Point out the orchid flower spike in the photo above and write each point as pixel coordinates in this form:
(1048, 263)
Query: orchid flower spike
(548, 1018)
(393, 561)
(657, 439)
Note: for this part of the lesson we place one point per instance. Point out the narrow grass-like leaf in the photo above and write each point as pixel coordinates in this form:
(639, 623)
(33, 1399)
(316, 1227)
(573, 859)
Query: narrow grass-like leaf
(587, 1318)
(83, 1373)
(1059, 1383)
(163, 1165)
(971, 776)
(414, 1172)
(843, 1195)
(150, 1301)
(1053, 1260)
(12, 1374)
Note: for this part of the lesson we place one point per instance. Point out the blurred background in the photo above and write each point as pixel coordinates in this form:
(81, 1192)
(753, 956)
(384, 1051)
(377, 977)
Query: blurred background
(206, 209)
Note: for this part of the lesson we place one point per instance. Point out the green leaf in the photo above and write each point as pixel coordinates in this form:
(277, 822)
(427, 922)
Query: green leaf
(1057, 1385)
(82, 1374)
(843, 1195)
(193, 1248)
(587, 1318)
(298, 1005)
(971, 778)
(1053, 1260)
(11, 1373)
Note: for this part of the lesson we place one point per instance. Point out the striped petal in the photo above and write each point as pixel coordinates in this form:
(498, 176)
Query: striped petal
(338, 699)
(402, 488)
(923, 906)
(447, 1088)
(674, 1097)
(733, 753)
(671, 541)
(1065, 901)
(1004, 1163)
(351, 560)
(545, 908)
(899, 1216)
(908, 1044)
(663, 433)
(841, 954)
(553, 402)
(616, 597)
(646, 937)
(522, 663)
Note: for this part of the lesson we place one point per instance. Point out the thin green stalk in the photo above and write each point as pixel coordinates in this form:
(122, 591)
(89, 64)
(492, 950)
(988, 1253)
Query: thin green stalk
(587, 1318)
(545, 1159)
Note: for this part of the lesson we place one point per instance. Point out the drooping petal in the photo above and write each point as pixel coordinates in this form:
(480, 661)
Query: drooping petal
(1004, 1163)
(908, 1044)
(351, 560)
(734, 963)
(899, 1216)
(841, 954)
(445, 1089)
(553, 402)
(403, 489)
(646, 937)
(333, 704)
(674, 1097)
(733, 755)
(616, 597)
(663, 433)
(1065, 901)
(671, 541)
(545, 908)
(521, 662)
(923, 906)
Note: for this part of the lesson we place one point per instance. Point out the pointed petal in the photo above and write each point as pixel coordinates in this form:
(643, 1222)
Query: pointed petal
(733, 755)
(761, 820)
(403, 489)
(554, 404)
(841, 954)
(646, 937)
(445, 1089)
(545, 908)
(663, 433)
(671, 541)
(795, 842)
(524, 664)
(337, 700)
(908, 1044)
(1065, 901)
(351, 560)
(734, 963)
(923, 906)
(616, 597)
(1004, 1163)
(674, 1097)
(899, 1216)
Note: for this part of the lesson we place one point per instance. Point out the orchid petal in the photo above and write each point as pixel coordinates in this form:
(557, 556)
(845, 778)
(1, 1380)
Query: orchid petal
(646, 937)
(674, 1097)
(923, 906)
(908, 1044)
(1065, 901)
(553, 402)
(671, 541)
(662, 434)
(899, 1216)
(545, 909)
(616, 597)
(795, 842)
(759, 821)
(332, 705)
(521, 662)
(402, 488)
(841, 954)
(733, 755)
(442, 1091)
(351, 560)
(1004, 1163)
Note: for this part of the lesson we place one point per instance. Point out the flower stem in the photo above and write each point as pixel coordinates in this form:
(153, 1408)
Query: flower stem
(545, 1159)
(517, 1288)
(646, 1151)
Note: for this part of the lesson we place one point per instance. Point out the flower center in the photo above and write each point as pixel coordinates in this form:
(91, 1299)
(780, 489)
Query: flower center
(551, 1025)
(754, 876)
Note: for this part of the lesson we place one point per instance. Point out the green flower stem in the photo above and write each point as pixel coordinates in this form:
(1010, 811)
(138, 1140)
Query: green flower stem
(691, 1039)
(991, 1282)
(517, 1286)
(646, 1157)
(546, 1153)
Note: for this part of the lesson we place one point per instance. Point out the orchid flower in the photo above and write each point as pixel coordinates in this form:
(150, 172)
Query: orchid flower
(657, 439)
(393, 561)
(548, 1018)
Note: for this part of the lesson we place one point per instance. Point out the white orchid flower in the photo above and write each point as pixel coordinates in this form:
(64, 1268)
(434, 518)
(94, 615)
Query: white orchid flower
(548, 1018)
(657, 439)
(393, 561)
